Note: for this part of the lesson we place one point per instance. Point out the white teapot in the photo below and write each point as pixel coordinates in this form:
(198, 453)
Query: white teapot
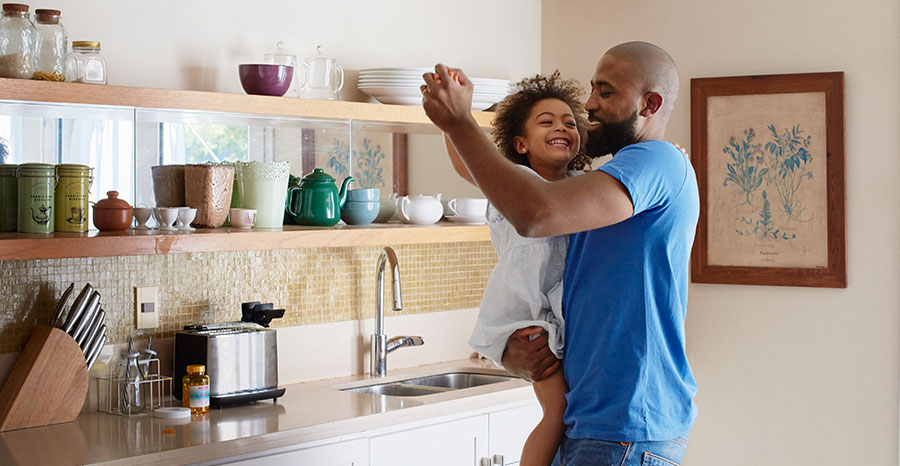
(420, 209)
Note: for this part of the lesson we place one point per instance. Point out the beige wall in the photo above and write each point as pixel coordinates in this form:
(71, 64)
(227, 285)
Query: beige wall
(787, 376)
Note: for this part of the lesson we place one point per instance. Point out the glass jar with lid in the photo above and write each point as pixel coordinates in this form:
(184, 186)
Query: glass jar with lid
(49, 46)
(84, 63)
(16, 42)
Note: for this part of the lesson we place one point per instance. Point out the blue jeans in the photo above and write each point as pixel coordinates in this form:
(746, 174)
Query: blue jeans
(590, 452)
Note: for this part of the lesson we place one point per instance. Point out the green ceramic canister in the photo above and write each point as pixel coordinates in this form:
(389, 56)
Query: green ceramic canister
(72, 189)
(37, 182)
(9, 198)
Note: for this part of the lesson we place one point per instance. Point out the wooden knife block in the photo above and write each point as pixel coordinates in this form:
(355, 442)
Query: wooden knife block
(48, 384)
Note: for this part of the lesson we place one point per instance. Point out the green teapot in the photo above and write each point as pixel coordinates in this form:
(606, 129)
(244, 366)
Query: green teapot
(319, 202)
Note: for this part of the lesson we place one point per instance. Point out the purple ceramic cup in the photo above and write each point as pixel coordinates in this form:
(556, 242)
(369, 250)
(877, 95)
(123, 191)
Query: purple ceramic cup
(265, 79)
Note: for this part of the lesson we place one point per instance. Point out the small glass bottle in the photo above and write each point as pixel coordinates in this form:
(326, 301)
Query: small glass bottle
(195, 391)
(84, 63)
(16, 42)
(49, 46)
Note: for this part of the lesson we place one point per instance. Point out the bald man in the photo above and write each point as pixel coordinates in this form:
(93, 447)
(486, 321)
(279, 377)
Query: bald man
(632, 224)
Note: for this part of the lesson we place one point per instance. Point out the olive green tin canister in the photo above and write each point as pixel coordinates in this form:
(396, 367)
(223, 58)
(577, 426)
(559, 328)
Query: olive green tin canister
(9, 198)
(37, 182)
(72, 191)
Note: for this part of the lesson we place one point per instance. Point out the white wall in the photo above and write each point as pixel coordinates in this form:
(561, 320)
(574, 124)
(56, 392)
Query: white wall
(198, 44)
(787, 376)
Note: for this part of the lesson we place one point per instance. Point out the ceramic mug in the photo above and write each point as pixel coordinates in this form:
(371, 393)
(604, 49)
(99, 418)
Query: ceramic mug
(242, 218)
(359, 212)
(468, 207)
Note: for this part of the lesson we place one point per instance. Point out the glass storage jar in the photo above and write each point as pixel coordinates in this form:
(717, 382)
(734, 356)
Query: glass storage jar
(85, 64)
(16, 42)
(49, 46)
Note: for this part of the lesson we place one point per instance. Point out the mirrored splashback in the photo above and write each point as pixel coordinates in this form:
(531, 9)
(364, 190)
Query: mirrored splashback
(122, 143)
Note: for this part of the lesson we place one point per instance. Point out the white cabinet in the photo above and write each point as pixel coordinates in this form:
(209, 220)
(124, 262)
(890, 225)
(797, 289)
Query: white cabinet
(349, 453)
(508, 430)
(455, 443)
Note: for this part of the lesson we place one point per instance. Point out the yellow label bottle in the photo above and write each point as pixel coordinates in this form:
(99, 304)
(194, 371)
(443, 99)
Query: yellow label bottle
(195, 392)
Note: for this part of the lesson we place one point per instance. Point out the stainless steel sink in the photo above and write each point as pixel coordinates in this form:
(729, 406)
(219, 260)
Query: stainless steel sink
(458, 380)
(431, 384)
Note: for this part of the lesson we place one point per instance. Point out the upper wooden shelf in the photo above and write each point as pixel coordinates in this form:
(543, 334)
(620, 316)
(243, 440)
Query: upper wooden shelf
(137, 97)
(23, 246)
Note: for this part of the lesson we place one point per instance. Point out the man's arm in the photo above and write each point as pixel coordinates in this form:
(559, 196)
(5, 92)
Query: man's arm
(532, 205)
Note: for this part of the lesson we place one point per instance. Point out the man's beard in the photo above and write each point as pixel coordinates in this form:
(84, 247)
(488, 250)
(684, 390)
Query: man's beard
(611, 137)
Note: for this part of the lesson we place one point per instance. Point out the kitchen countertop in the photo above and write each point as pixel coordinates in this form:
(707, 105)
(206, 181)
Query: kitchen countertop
(307, 412)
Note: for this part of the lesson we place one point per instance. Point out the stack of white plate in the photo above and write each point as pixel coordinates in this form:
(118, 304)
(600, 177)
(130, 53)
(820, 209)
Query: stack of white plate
(401, 86)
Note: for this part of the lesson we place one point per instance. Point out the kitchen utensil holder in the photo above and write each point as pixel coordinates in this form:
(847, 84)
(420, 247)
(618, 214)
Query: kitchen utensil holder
(116, 385)
(48, 384)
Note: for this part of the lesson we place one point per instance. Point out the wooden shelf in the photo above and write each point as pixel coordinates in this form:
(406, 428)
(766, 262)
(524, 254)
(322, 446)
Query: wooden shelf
(23, 246)
(120, 96)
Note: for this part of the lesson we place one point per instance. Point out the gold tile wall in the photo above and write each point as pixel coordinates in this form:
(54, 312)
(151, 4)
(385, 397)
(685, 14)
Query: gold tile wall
(312, 285)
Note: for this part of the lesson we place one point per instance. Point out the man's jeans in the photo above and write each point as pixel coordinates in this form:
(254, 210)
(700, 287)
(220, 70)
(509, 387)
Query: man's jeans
(590, 452)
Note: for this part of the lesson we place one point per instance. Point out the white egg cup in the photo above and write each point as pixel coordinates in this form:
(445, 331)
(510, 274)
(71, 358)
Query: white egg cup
(167, 217)
(142, 215)
(185, 217)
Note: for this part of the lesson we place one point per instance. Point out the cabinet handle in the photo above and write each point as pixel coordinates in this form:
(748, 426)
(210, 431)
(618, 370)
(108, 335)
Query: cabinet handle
(485, 462)
(498, 459)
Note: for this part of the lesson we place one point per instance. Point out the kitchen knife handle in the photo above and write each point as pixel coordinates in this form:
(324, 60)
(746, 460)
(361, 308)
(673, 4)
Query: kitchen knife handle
(93, 305)
(91, 333)
(93, 357)
(77, 308)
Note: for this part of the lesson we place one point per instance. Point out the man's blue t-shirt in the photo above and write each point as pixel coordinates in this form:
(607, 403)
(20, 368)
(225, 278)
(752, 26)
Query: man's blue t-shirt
(625, 296)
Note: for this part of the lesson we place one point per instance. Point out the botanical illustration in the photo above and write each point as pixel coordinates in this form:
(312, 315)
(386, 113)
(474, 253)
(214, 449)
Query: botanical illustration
(366, 162)
(767, 177)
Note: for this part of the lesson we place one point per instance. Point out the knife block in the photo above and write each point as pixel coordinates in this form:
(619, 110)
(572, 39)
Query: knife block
(48, 384)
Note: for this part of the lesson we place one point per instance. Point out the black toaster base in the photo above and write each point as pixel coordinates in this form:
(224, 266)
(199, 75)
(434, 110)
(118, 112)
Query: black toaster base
(245, 397)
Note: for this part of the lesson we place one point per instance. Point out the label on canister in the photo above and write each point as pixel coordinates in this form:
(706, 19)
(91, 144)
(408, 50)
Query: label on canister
(72, 204)
(198, 396)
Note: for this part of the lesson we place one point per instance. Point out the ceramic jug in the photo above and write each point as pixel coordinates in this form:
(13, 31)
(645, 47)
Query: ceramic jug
(420, 209)
(317, 201)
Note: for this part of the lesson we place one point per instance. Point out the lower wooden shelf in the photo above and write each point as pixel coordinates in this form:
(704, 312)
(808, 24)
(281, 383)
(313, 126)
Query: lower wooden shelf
(23, 246)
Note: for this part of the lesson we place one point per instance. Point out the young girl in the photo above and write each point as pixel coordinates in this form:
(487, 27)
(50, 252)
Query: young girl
(541, 127)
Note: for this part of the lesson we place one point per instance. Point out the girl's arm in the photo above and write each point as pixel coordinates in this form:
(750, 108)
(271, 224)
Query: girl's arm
(457, 163)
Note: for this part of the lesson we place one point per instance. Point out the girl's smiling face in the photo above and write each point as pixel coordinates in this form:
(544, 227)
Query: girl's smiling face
(550, 138)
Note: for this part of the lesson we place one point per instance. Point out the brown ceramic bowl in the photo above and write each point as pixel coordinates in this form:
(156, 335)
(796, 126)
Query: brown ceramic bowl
(112, 214)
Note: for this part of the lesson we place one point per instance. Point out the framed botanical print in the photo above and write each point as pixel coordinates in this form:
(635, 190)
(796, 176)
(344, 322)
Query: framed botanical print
(374, 159)
(769, 156)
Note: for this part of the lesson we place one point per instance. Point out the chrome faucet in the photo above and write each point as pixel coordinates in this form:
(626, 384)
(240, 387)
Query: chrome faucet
(381, 346)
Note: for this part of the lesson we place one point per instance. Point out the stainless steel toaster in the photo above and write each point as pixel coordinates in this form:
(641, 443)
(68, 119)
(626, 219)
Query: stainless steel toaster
(241, 359)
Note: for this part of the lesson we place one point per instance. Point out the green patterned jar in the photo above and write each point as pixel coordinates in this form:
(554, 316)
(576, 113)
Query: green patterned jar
(72, 190)
(9, 198)
(37, 181)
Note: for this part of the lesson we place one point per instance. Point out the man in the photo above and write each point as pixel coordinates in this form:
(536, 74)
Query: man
(632, 222)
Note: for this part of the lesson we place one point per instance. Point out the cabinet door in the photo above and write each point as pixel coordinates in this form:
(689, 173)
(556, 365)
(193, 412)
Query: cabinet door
(351, 453)
(455, 443)
(510, 428)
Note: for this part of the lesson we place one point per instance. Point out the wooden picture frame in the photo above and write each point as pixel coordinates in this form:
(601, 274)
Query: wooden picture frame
(398, 178)
(768, 152)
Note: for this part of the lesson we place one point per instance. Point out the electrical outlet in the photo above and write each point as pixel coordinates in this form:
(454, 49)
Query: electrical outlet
(146, 307)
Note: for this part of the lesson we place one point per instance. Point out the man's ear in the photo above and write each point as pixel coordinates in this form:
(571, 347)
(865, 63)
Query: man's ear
(653, 101)
(520, 145)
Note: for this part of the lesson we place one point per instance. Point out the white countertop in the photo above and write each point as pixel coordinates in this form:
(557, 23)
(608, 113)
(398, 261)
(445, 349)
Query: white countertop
(307, 412)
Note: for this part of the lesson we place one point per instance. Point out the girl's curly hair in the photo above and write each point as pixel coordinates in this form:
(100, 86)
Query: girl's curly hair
(512, 112)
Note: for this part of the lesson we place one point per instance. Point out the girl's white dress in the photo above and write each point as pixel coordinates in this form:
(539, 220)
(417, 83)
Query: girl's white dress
(525, 288)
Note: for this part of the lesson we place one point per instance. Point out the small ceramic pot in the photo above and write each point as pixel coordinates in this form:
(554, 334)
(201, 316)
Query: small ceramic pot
(112, 213)
(387, 209)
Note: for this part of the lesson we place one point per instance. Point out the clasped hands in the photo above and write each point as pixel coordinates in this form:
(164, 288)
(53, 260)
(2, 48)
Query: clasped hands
(447, 97)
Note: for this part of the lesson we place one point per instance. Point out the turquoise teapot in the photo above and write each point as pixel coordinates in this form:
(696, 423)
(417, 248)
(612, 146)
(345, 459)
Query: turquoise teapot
(319, 202)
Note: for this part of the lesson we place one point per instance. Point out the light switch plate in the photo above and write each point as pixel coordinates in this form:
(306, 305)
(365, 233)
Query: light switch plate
(146, 307)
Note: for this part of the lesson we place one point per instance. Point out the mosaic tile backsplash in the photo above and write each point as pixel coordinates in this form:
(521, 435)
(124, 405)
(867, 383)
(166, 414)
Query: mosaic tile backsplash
(312, 285)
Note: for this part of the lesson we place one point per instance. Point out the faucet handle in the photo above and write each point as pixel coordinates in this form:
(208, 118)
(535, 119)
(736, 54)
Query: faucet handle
(400, 342)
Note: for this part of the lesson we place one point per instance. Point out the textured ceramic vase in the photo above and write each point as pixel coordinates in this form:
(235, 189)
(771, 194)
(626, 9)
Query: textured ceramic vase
(208, 189)
(263, 187)
(168, 185)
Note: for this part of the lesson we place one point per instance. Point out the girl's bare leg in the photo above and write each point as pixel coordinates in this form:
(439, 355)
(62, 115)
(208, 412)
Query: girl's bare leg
(541, 446)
